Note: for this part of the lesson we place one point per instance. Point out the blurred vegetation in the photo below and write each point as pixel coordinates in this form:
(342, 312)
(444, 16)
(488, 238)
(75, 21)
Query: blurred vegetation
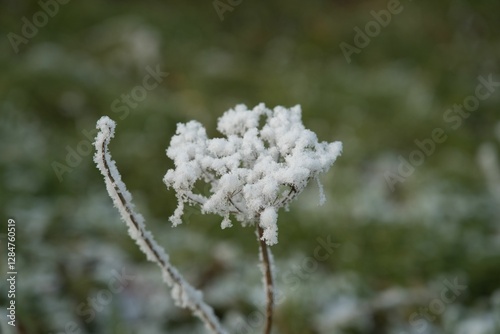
(396, 247)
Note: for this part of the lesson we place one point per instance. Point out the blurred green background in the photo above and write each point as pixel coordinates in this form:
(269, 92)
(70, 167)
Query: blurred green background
(399, 246)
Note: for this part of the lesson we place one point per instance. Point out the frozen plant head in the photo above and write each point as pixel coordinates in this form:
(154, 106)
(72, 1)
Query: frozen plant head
(252, 171)
(263, 162)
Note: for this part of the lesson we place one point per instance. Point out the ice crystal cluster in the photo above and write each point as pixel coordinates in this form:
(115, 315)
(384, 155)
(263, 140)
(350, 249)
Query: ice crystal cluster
(264, 161)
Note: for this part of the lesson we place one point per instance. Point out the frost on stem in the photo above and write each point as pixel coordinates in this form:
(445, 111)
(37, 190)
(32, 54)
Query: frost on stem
(183, 293)
(252, 171)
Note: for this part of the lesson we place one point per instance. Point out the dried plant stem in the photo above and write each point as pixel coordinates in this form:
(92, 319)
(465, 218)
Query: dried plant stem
(183, 293)
(265, 256)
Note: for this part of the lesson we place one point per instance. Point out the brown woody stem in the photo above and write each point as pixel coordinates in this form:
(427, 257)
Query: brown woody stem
(268, 279)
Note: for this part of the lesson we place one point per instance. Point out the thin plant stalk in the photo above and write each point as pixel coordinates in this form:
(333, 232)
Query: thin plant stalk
(183, 293)
(267, 271)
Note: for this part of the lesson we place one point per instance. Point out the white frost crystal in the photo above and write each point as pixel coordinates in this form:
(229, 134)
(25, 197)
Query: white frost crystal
(252, 171)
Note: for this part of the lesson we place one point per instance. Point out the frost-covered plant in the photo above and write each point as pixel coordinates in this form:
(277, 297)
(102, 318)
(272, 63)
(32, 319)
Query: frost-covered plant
(265, 160)
(183, 293)
(252, 172)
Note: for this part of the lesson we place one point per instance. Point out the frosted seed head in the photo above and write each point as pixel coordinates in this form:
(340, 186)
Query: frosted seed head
(252, 171)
